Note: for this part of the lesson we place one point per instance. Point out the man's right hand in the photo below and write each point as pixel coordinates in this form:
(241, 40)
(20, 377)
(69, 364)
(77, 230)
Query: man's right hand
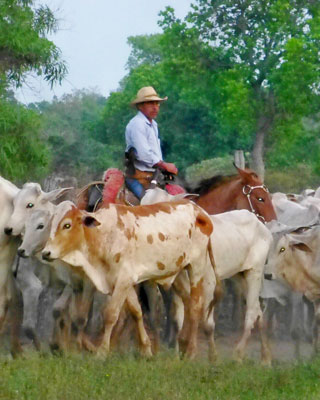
(170, 167)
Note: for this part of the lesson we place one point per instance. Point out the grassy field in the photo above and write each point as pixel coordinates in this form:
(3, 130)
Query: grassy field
(76, 377)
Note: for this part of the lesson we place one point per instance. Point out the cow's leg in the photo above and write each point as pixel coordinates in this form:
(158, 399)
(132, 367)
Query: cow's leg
(31, 288)
(253, 311)
(10, 295)
(296, 328)
(15, 308)
(208, 311)
(195, 314)
(193, 309)
(79, 309)
(61, 318)
(181, 287)
(85, 312)
(266, 355)
(235, 287)
(208, 328)
(176, 316)
(135, 309)
(154, 315)
(124, 326)
(308, 314)
(112, 311)
(30, 311)
(316, 324)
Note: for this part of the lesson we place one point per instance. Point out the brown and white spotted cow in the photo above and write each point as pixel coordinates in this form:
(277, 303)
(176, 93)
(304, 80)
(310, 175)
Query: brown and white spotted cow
(119, 246)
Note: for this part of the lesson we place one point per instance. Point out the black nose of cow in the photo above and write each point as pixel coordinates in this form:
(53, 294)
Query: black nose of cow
(268, 277)
(21, 253)
(7, 231)
(46, 255)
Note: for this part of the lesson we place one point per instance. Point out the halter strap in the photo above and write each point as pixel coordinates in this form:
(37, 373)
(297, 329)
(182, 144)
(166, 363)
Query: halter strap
(247, 190)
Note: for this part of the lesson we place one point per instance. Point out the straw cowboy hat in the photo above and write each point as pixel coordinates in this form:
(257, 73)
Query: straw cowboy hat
(147, 94)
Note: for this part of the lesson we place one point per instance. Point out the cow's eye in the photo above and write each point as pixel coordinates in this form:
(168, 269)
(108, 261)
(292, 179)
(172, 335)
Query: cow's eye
(261, 199)
(30, 205)
(66, 226)
(40, 226)
(282, 249)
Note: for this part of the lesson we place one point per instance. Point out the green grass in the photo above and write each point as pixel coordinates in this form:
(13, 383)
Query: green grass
(164, 377)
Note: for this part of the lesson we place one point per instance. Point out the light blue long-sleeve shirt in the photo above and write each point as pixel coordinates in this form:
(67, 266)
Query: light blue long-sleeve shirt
(143, 135)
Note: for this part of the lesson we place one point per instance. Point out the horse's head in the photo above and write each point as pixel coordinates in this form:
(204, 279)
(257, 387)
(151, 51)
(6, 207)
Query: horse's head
(255, 195)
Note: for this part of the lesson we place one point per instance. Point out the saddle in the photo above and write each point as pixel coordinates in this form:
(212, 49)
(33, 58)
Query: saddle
(112, 189)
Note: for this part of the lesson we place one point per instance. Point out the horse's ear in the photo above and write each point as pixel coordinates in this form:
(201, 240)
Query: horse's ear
(247, 175)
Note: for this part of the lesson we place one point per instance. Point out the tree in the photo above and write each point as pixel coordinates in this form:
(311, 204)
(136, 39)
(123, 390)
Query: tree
(23, 153)
(70, 126)
(24, 48)
(260, 58)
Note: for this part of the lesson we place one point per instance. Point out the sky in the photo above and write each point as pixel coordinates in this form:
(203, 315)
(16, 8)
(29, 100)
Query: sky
(93, 40)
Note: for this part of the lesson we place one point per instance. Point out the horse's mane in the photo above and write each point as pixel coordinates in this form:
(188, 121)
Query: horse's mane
(205, 185)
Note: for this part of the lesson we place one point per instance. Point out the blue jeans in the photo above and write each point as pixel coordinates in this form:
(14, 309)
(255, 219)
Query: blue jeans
(136, 187)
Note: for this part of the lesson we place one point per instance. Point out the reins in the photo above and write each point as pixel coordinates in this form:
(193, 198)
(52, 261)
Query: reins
(247, 190)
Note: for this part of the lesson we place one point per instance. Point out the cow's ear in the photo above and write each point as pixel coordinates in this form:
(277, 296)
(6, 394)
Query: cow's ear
(55, 194)
(301, 246)
(90, 222)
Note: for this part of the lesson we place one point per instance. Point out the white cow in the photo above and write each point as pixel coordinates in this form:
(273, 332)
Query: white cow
(119, 246)
(8, 246)
(74, 304)
(277, 294)
(157, 195)
(294, 259)
(292, 213)
(32, 277)
(240, 244)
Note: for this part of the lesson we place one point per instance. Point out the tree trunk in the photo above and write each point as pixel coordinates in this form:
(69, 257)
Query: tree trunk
(264, 125)
(257, 154)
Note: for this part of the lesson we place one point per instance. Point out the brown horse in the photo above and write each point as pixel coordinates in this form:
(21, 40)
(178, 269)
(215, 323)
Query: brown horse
(244, 190)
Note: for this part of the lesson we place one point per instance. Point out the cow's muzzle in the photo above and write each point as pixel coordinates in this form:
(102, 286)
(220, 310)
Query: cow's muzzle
(22, 253)
(46, 255)
(8, 231)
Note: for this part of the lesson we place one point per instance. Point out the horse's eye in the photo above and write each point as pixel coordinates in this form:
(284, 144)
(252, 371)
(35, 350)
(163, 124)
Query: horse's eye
(66, 226)
(261, 199)
(282, 249)
(30, 205)
(40, 226)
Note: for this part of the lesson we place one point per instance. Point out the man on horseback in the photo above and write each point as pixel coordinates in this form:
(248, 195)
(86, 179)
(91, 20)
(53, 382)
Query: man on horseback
(143, 143)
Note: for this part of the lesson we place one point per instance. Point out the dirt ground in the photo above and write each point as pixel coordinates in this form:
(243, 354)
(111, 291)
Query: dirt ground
(282, 350)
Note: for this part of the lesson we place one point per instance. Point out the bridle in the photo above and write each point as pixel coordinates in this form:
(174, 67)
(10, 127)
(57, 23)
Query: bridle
(247, 190)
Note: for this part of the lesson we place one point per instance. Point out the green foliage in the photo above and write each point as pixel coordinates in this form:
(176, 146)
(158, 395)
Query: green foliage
(23, 152)
(145, 50)
(209, 168)
(291, 179)
(23, 43)
(71, 126)
(255, 63)
(24, 48)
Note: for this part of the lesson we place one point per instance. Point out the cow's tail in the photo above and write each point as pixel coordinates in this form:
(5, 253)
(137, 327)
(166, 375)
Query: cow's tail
(218, 291)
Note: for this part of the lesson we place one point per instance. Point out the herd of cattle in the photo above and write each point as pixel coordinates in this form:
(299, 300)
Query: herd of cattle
(97, 263)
